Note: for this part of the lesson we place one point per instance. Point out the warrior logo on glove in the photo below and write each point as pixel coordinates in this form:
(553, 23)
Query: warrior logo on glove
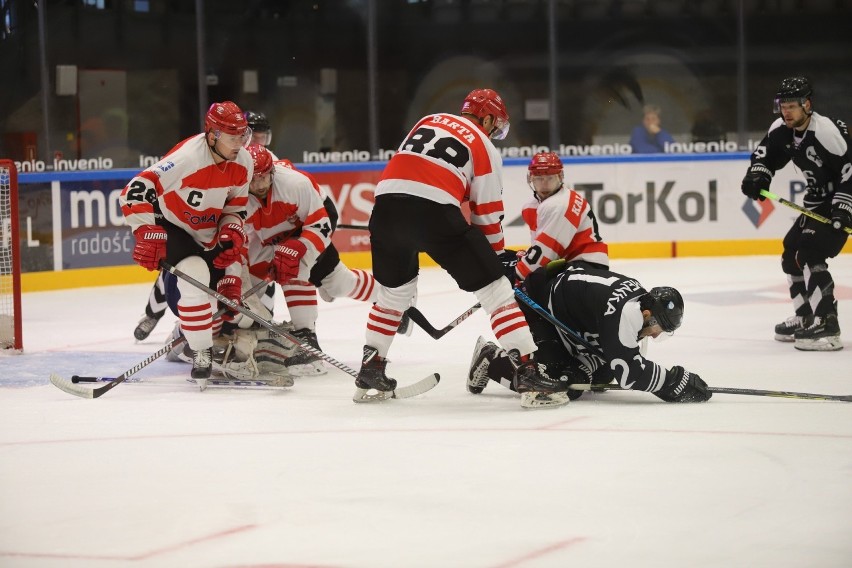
(231, 238)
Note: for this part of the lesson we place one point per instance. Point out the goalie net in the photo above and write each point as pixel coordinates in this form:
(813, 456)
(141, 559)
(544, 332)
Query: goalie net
(10, 259)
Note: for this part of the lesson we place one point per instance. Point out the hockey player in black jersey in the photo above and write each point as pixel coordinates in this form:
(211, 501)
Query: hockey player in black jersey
(613, 313)
(820, 148)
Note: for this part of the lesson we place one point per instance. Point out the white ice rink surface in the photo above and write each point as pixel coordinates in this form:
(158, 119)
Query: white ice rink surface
(159, 474)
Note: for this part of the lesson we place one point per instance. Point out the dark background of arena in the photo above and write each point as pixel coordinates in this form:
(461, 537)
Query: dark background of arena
(311, 62)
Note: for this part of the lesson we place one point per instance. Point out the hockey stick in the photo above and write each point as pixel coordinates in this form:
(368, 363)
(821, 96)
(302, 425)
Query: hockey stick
(355, 227)
(71, 387)
(414, 389)
(802, 210)
(723, 390)
(418, 318)
(549, 317)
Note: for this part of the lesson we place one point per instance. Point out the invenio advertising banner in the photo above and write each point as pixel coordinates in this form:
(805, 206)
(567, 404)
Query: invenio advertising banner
(636, 199)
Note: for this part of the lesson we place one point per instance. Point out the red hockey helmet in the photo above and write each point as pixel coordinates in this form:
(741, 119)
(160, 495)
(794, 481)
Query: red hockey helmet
(261, 158)
(226, 117)
(545, 164)
(483, 102)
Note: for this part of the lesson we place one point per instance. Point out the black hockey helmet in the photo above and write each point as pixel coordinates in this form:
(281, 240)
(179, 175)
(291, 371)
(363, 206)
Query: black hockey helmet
(257, 121)
(666, 306)
(793, 89)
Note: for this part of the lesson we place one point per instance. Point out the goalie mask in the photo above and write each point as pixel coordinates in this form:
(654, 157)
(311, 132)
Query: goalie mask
(666, 307)
(793, 90)
(486, 102)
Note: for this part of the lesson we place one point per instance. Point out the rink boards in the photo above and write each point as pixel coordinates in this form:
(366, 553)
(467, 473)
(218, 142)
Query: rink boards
(73, 232)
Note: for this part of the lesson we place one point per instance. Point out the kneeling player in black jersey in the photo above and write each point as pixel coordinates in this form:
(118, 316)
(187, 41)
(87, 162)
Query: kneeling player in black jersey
(614, 313)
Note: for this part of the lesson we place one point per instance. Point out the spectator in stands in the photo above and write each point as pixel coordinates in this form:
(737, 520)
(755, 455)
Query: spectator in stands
(649, 137)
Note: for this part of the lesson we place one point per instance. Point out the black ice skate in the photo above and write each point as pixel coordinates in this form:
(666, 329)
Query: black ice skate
(372, 377)
(303, 363)
(477, 374)
(538, 390)
(786, 330)
(144, 328)
(202, 367)
(823, 334)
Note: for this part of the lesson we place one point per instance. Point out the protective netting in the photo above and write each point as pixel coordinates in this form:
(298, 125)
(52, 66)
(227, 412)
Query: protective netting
(7, 266)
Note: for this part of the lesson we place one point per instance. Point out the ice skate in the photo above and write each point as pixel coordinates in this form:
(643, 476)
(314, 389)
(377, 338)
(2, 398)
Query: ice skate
(786, 330)
(144, 328)
(823, 334)
(372, 377)
(304, 363)
(202, 367)
(537, 389)
(477, 374)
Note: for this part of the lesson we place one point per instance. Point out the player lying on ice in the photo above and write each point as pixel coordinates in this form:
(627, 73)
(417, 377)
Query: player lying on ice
(611, 311)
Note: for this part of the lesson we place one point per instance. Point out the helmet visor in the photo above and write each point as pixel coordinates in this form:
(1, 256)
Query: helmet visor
(500, 129)
(776, 107)
(235, 140)
(262, 137)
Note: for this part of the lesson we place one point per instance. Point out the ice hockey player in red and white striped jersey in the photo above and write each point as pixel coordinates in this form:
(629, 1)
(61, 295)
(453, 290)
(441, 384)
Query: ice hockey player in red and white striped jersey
(155, 307)
(562, 223)
(289, 233)
(189, 209)
(445, 160)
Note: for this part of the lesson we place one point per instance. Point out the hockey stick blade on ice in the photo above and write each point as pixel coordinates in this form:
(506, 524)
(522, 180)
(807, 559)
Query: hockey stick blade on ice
(214, 381)
(418, 318)
(724, 390)
(72, 386)
(802, 210)
(414, 389)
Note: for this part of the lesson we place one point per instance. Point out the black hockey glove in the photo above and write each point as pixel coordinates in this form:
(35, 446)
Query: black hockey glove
(509, 259)
(683, 386)
(841, 215)
(758, 177)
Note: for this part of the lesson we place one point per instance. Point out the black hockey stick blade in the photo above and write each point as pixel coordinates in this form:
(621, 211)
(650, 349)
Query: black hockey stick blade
(418, 318)
(726, 390)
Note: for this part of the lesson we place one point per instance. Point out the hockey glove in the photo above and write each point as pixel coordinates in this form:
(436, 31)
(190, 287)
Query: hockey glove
(231, 238)
(509, 259)
(286, 261)
(150, 246)
(758, 177)
(683, 386)
(841, 215)
(231, 288)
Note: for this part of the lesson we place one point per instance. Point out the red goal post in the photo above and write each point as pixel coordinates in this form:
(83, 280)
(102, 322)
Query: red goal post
(10, 259)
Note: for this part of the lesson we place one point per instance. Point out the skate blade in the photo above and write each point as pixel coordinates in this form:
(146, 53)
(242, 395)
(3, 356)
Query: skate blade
(784, 338)
(371, 395)
(532, 399)
(821, 344)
